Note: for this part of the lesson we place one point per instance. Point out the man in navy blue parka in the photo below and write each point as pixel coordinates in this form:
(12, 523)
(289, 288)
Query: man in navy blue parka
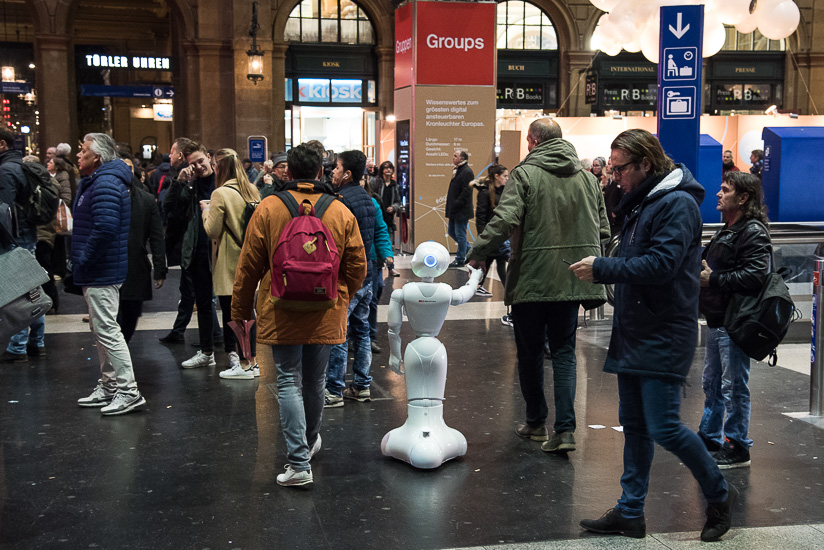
(655, 328)
(100, 261)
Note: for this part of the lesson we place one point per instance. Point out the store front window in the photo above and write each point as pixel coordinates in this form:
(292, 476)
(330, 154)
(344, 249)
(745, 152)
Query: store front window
(331, 75)
(528, 60)
(524, 26)
(338, 21)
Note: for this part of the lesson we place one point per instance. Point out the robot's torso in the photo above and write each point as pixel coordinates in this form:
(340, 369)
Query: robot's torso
(426, 305)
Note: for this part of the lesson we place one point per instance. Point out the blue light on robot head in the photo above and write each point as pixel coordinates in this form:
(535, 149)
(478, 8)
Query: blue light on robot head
(430, 261)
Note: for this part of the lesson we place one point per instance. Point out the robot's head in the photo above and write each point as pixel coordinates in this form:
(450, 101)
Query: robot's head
(431, 259)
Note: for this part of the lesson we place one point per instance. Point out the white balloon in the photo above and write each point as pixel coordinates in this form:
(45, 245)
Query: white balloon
(714, 36)
(779, 22)
(612, 49)
(767, 5)
(595, 40)
(604, 5)
(732, 12)
(633, 45)
(747, 25)
(649, 40)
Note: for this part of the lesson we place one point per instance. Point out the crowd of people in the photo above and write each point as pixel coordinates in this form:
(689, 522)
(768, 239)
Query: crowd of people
(544, 224)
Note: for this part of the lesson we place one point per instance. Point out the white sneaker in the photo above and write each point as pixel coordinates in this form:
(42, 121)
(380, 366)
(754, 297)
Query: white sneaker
(255, 370)
(100, 397)
(236, 372)
(234, 359)
(293, 478)
(199, 360)
(123, 403)
(316, 447)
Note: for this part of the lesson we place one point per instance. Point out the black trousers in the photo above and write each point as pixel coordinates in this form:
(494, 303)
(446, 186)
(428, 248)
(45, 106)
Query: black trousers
(201, 275)
(185, 307)
(43, 254)
(127, 316)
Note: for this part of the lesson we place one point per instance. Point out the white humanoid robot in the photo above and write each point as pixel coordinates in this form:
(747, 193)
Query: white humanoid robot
(424, 440)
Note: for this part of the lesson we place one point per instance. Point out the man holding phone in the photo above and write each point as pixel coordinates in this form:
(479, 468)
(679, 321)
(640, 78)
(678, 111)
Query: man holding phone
(552, 210)
(195, 183)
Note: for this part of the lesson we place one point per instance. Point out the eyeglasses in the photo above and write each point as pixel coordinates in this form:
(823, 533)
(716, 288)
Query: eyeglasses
(619, 168)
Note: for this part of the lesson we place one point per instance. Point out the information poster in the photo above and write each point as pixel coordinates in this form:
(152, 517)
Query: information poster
(446, 119)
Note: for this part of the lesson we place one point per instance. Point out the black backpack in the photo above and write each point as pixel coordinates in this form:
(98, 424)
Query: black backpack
(758, 322)
(248, 210)
(40, 206)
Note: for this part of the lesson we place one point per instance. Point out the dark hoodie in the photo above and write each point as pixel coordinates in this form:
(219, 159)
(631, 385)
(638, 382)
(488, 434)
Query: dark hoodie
(656, 276)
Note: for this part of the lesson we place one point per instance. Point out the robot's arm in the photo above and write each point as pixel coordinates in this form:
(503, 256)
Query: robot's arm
(395, 320)
(467, 291)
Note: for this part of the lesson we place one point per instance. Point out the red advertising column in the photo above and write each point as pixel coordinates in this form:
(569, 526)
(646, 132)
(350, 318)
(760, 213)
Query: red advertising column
(445, 98)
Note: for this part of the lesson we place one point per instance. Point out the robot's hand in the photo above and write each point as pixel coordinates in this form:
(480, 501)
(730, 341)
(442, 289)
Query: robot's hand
(395, 364)
(474, 270)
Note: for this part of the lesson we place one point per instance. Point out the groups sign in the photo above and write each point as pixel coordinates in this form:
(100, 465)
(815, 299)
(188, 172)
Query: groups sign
(453, 44)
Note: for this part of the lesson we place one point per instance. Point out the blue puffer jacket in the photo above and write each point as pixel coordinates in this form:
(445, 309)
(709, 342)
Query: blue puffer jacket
(100, 238)
(656, 276)
(358, 201)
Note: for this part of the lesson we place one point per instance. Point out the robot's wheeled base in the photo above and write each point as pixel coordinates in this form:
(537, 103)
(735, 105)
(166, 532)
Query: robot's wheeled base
(424, 441)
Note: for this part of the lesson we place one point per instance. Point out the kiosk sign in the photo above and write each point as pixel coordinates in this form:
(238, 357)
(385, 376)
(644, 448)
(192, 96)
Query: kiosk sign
(679, 82)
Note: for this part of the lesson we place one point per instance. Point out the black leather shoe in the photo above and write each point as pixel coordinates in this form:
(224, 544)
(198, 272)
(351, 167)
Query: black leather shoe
(719, 516)
(457, 263)
(613, 523)
(7, 357)
(172, 338)
(36, 351)
(537, 433)
(376, 348)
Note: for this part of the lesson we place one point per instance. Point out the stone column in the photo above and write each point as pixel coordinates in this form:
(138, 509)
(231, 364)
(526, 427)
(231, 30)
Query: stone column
(573, 73)
(56, 95)
(386, 79)
(278, 124)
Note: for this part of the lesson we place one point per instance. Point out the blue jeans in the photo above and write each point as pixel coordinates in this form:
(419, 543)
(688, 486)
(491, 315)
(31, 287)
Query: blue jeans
(533, 323)
(649, 412)
(457, 230)
(726, 374)
(301, 376)
(358, 330)
(34, 332)
(377, 290)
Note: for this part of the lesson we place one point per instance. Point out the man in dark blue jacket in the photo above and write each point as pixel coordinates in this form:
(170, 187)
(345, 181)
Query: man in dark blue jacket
(100, 262)
(655, 329)
(346, 178)
(14, 190)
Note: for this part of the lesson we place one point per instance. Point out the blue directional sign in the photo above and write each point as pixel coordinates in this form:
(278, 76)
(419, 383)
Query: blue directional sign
(679, 82)
(258, 148)
(15, 87)
(100, 90)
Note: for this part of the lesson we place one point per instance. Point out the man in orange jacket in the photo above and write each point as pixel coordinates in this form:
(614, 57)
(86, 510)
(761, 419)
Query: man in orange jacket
(300, 340)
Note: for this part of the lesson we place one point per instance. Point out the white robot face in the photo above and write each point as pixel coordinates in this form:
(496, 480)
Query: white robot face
(431, 259)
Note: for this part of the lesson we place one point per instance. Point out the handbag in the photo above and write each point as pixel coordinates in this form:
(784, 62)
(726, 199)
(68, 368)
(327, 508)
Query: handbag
(22, 299)
(757, 323)
(64, 219)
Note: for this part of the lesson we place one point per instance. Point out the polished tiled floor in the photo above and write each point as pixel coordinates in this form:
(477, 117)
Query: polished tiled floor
(197, 468)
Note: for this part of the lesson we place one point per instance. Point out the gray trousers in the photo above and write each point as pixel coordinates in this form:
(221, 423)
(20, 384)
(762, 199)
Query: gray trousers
(115, 359)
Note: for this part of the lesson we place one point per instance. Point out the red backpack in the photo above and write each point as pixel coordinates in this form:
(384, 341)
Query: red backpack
(306, 260)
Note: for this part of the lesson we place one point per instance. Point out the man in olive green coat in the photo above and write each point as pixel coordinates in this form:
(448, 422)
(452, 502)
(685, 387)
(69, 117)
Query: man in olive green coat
(553, 212)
